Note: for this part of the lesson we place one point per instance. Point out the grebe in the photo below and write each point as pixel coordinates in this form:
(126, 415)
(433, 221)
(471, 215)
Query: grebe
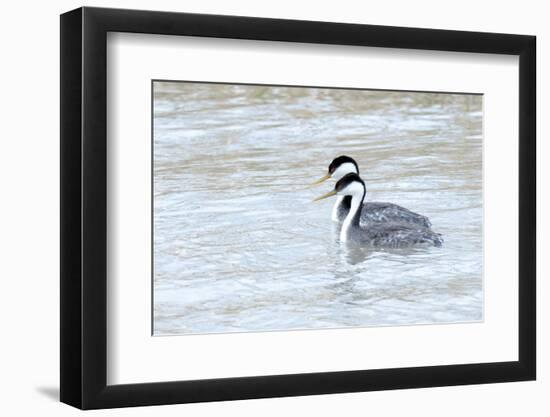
(372, 211)
(386, 234)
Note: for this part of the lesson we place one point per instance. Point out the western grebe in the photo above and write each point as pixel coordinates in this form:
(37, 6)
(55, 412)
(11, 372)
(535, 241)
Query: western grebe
(372, 211)
(386, 234)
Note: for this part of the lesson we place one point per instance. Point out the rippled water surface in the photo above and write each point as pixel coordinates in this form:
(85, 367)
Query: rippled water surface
(238, 244)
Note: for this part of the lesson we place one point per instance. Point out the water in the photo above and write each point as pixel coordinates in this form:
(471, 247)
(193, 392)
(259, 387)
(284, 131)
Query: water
(238, 244)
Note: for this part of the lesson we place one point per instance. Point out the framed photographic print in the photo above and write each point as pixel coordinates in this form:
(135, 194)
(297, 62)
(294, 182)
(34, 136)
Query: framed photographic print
(257, 207)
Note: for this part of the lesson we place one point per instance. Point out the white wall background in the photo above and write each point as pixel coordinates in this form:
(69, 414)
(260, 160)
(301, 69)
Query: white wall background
(29, 233)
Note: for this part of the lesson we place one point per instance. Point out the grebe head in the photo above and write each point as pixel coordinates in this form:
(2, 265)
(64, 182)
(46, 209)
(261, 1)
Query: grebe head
(350, 185)
(339, 167)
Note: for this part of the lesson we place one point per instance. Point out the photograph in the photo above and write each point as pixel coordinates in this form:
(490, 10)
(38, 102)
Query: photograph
(295, 204)
(279, 208)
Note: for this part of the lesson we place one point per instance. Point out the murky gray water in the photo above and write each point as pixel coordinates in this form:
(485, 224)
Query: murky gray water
(238, 244)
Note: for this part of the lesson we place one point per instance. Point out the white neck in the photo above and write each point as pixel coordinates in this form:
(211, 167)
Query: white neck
(336, 207)
(357, 193)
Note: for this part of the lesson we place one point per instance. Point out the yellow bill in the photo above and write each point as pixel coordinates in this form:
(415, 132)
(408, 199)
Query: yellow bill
(320, 180)
(327, 195)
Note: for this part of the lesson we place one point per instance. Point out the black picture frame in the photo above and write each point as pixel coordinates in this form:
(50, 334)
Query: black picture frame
(84, 207)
